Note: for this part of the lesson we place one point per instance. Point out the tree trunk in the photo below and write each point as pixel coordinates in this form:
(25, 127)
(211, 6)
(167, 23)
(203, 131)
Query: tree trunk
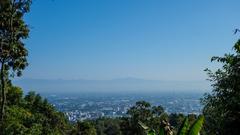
(3, 93)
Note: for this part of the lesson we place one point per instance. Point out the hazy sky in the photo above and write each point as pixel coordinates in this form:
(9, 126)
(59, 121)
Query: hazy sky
(149, 39)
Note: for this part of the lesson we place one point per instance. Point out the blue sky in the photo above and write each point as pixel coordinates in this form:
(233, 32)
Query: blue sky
(148, 39)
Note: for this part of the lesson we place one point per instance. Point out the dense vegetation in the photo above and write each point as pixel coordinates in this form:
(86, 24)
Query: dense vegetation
(31, 114)
(13, 54)
(222, 106)
(185, 129)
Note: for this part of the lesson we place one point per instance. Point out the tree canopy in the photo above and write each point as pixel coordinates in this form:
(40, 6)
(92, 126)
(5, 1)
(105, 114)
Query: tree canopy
(222, 106)
(31, 114)
(13, 54)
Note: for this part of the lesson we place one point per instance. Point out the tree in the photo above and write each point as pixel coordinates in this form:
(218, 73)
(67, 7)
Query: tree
(140, 112)
(143, 112)
(176, 119)
(85, 128)
(14, 95)
(108, 126)
(157, 110)
(32, 114)
(222, 105)
(13, 54)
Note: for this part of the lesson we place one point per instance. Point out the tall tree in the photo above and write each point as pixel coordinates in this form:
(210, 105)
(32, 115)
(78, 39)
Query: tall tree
(13, 54)
(222, 106)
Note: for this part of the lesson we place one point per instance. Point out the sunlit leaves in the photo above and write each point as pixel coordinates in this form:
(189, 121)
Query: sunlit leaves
(197, 126)
(185, 129)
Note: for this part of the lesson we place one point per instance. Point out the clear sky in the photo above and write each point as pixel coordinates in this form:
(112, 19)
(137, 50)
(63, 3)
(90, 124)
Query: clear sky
(148, 39)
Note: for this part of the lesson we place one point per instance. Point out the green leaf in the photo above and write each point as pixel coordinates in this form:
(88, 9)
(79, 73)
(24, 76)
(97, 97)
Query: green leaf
(151, 132)
(197, 125)
(161, 131)
(184, 127)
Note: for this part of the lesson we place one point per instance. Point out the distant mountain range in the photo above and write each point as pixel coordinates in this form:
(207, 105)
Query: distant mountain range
(114, 85)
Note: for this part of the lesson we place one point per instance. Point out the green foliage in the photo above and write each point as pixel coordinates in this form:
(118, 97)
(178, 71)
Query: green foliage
(108, 126)
(142, 111)
(194, 129)
(176, 120)
(222, 106)
(32, 115)
(13, 54)
(85, 128)
(147, 130)
(164, 128)
(186, 129)
(157, 110)
(151, 132)
(197, 126)
(14, 95)
(157, 122)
